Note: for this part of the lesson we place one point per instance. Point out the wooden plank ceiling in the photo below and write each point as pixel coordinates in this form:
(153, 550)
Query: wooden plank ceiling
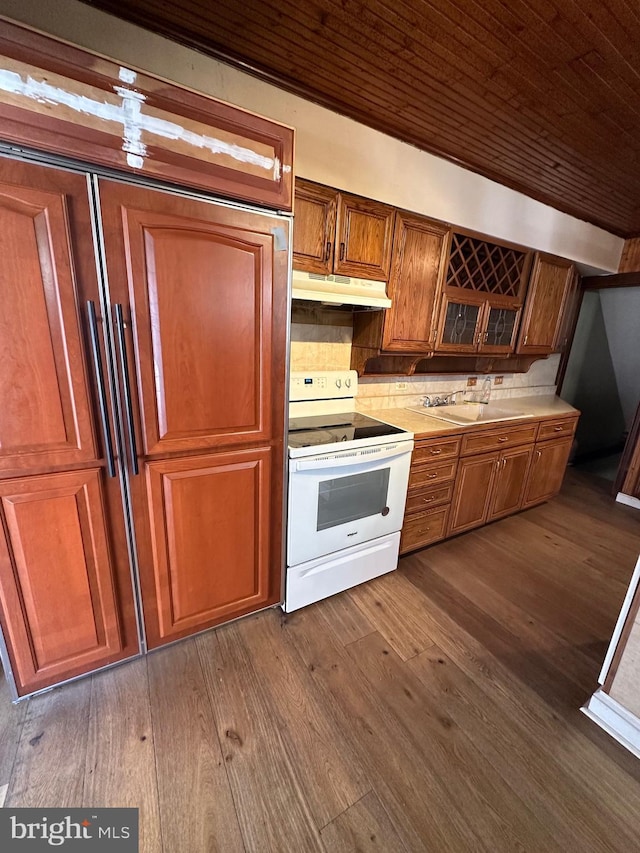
(540, 95)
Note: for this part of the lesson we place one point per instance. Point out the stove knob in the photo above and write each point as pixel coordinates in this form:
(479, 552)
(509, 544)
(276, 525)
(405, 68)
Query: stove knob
(338, 383)
(347, 382)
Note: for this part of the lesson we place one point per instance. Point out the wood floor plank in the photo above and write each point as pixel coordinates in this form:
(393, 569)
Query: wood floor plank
(195, 802)
(11, 721)
(394, 616)
(550, 712)
(271, 809)
(120, 765)
(418, 804)
(365, 827)
(556, 797)
(501, 820)
(516, 578)
(331, 775)
(574, 663)
(49, 768)
(348, 623)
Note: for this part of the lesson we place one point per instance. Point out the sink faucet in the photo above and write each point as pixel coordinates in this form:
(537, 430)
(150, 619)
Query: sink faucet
(486, 390)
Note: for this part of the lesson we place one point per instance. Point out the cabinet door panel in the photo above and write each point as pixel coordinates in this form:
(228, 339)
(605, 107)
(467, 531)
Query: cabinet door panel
(200, 282)
(364, 233)
(547, 470)
(551, 282)
(314, 227)
(56, 578)
(45, 414)
(458, 329)
(211, 541)
(510, 482)
(474, 482)
(418, 263)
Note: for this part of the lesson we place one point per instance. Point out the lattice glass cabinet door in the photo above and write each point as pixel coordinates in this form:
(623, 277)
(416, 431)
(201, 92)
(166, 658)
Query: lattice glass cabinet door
(460, 323)
(500, 328)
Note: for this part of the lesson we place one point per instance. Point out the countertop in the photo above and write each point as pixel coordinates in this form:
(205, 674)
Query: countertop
(424, 426)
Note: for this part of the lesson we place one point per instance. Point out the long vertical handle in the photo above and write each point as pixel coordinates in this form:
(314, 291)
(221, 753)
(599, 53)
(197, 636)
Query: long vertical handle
(128, 405)
(102, 392)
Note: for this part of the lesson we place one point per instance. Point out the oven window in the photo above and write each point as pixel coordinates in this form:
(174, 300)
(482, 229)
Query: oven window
(344, 499)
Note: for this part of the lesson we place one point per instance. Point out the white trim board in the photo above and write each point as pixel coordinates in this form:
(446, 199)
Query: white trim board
(622, 618)
(615, 720)
(621, 498)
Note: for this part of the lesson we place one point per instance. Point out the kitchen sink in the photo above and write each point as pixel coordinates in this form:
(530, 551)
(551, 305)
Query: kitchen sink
(469, 413)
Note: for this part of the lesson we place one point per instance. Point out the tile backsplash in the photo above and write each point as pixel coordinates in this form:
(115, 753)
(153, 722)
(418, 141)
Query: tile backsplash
(321, 340)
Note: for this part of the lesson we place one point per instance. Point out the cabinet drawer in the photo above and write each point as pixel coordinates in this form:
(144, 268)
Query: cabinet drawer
(557, 429)
(498, 439)
(431, 475)
(423, 528)
(434, 451)
(426, 498)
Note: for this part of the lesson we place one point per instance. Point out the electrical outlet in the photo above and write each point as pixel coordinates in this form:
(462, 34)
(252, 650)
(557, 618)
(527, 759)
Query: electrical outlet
(402, 386)
(498, 380)
(472, 381)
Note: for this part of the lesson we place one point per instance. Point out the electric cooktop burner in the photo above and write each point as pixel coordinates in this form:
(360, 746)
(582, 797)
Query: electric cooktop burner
(317, 430)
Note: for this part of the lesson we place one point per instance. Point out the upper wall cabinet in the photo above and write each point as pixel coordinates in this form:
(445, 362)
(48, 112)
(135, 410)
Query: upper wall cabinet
(548, 305)
(483, 296)
(339, 233)
(65, 100)
(315, 227)
(418, 263)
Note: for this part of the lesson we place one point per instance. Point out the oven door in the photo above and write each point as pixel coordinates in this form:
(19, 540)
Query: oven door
(341, 499)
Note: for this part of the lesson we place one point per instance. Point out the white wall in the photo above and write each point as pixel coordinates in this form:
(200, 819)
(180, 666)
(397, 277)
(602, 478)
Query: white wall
(621, 314)
(332, 149)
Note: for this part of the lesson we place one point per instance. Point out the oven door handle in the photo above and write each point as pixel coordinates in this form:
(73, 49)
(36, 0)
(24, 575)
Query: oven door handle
(356, 459)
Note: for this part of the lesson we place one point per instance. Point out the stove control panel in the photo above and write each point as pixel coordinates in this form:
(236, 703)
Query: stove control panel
(322, 384)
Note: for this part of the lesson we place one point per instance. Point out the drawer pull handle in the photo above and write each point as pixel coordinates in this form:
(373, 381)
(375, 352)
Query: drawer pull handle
(558, 429)
(431, 476)
(436, 452)
(427, 500)
(503, 439)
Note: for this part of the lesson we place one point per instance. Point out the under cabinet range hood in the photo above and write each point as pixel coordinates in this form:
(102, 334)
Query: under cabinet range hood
(339, 290)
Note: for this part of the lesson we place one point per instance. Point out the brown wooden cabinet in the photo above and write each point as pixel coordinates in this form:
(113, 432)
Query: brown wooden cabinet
(66, 598)
(433, 471)
(199, 317)
(510, 481)
(340, 233)
(315, 227)
(547, 471)
(204, 288)
(483, 294)
(552, 450)
(470, 504)
(549, 295)
(417, 268)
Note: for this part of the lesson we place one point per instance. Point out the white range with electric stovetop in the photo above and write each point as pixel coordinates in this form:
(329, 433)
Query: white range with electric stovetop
(348, 477)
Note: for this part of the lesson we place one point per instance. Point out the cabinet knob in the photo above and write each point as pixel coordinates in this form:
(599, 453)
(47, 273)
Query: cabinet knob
(327, 251)
(342, 251)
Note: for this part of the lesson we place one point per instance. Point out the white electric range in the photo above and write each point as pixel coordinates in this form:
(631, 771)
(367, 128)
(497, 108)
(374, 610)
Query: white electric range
(348, 478)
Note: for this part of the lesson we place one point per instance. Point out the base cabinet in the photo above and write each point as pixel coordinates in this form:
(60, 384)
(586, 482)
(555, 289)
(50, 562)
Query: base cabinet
(501, 470)
(547, 470)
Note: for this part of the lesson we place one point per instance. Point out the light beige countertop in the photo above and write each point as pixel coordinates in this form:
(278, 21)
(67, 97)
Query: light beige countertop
(424, 426)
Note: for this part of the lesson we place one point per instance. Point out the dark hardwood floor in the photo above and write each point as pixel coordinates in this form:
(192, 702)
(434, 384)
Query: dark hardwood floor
(434, 709)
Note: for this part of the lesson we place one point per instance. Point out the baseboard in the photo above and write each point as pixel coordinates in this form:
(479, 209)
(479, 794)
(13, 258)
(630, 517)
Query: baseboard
(628, 500)
(615, 720)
